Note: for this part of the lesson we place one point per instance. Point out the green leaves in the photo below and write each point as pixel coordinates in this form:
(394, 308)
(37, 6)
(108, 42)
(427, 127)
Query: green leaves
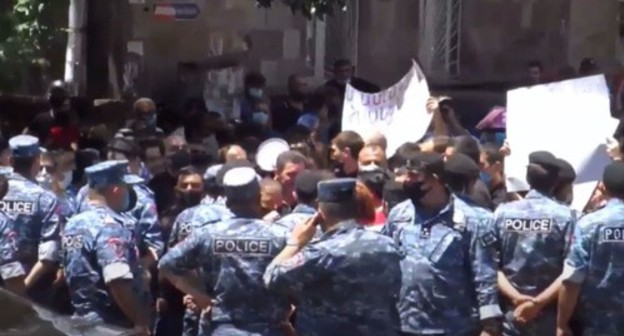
(309, 8)
(25, 36)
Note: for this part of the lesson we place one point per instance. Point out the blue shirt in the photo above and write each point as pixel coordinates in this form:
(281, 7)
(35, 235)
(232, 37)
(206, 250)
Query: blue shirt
(449, 272)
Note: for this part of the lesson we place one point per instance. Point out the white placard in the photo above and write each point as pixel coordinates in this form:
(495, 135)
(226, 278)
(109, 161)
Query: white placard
(399, 112)
(570, 119)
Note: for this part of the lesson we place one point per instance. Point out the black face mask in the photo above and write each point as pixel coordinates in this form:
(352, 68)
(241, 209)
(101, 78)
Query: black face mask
(189, 198)
(133, 198)
(297, 96)
(414, 191)
(374, 180)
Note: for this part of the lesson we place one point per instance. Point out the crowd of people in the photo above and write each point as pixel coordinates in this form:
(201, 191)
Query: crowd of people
(170, 226)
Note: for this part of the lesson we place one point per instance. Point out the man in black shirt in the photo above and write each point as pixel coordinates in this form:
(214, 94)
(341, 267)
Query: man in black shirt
(59, 114)
(344, 73)
(286, 110)
(492, 172)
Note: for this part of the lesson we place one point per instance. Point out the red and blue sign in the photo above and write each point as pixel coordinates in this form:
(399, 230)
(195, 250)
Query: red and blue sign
(177, 11)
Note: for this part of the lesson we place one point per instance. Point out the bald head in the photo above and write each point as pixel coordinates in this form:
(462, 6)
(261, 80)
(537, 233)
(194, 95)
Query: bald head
(377, 139)
(372, 154)
(234, 153)
(144, 106)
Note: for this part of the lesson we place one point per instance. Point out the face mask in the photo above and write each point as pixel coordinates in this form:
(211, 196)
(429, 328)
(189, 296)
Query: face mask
(130, 200)
(260, 118)
(190, 198)
(486, 178)
(44, 179)
(414, 191)
(150, 120)
(374, 180)
(67, 179)
(255, 92)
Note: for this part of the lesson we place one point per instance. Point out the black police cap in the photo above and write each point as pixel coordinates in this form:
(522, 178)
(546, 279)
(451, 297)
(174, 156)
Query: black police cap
(544, 159)
(566, 171)
(426, 162)
(613, 177)
(461, 164)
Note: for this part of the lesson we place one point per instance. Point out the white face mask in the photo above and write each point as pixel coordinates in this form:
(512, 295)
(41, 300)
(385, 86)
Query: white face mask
(44, 179)
(67, 179)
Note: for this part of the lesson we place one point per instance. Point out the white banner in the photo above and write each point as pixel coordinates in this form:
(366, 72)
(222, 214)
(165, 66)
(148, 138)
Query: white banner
(570, 119)
(398, 112)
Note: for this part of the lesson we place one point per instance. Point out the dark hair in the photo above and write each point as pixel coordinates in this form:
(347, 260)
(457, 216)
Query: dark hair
(23, 164)
(4, 143)
(468, 146)
(253, 79)
(458, 183)
(492, 153)
(151, 143)
(191, 170)
(127, 146)
(351, 140)
(315, 102)
(290, 156)
(342, 62)
(535, 64)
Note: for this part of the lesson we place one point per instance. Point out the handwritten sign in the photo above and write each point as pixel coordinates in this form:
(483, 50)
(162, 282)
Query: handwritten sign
(398, 112)
(570, 119)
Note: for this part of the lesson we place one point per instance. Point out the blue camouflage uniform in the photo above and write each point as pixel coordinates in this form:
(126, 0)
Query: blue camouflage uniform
(299, 214)
(146, 224)
(36, 213)
(449, 272)
(10, 265)
(596, 263)
(345, 283)
(98, 248)
(533, 237)
(231, 256)
(186, 223)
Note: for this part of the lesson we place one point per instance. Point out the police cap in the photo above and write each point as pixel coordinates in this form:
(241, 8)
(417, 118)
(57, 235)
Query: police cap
(613, 177)
(544, 159)
(211, 172)
(24, 146)
(425, 162)
(462, 165)
(337, 190)
(229, 166)
(241, 184)
(566, 171)
(110, 173)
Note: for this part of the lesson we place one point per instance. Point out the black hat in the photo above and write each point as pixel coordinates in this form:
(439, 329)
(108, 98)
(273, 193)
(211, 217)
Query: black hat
(544, 159)
(461, 164)
(337, 190)
(566, 171)
(231, 165)
(613, 177)
(426, 162)
(306, 183)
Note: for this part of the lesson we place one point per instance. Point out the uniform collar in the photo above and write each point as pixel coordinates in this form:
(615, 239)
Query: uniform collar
(451, 215)
(613, 202)
(341, 227)
(304, 209)
(535, 194)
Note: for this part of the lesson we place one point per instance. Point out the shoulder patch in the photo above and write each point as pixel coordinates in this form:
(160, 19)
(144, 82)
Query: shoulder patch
(250, 247)
(488, 239)
(294, 261)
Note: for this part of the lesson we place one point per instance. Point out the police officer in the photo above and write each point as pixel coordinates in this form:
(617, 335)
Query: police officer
(232, 256)
(533, 237)
(592, 273)
(564, 191)
(449, 278)
(188, 221)
(12, 271)
(214, 192)
(306, 191)
(100, 257)
(36, 213)
(146, 224)
(348, 281)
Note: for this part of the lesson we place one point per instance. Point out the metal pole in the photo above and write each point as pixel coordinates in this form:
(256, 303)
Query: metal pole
(75, 53)
(448, 36)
